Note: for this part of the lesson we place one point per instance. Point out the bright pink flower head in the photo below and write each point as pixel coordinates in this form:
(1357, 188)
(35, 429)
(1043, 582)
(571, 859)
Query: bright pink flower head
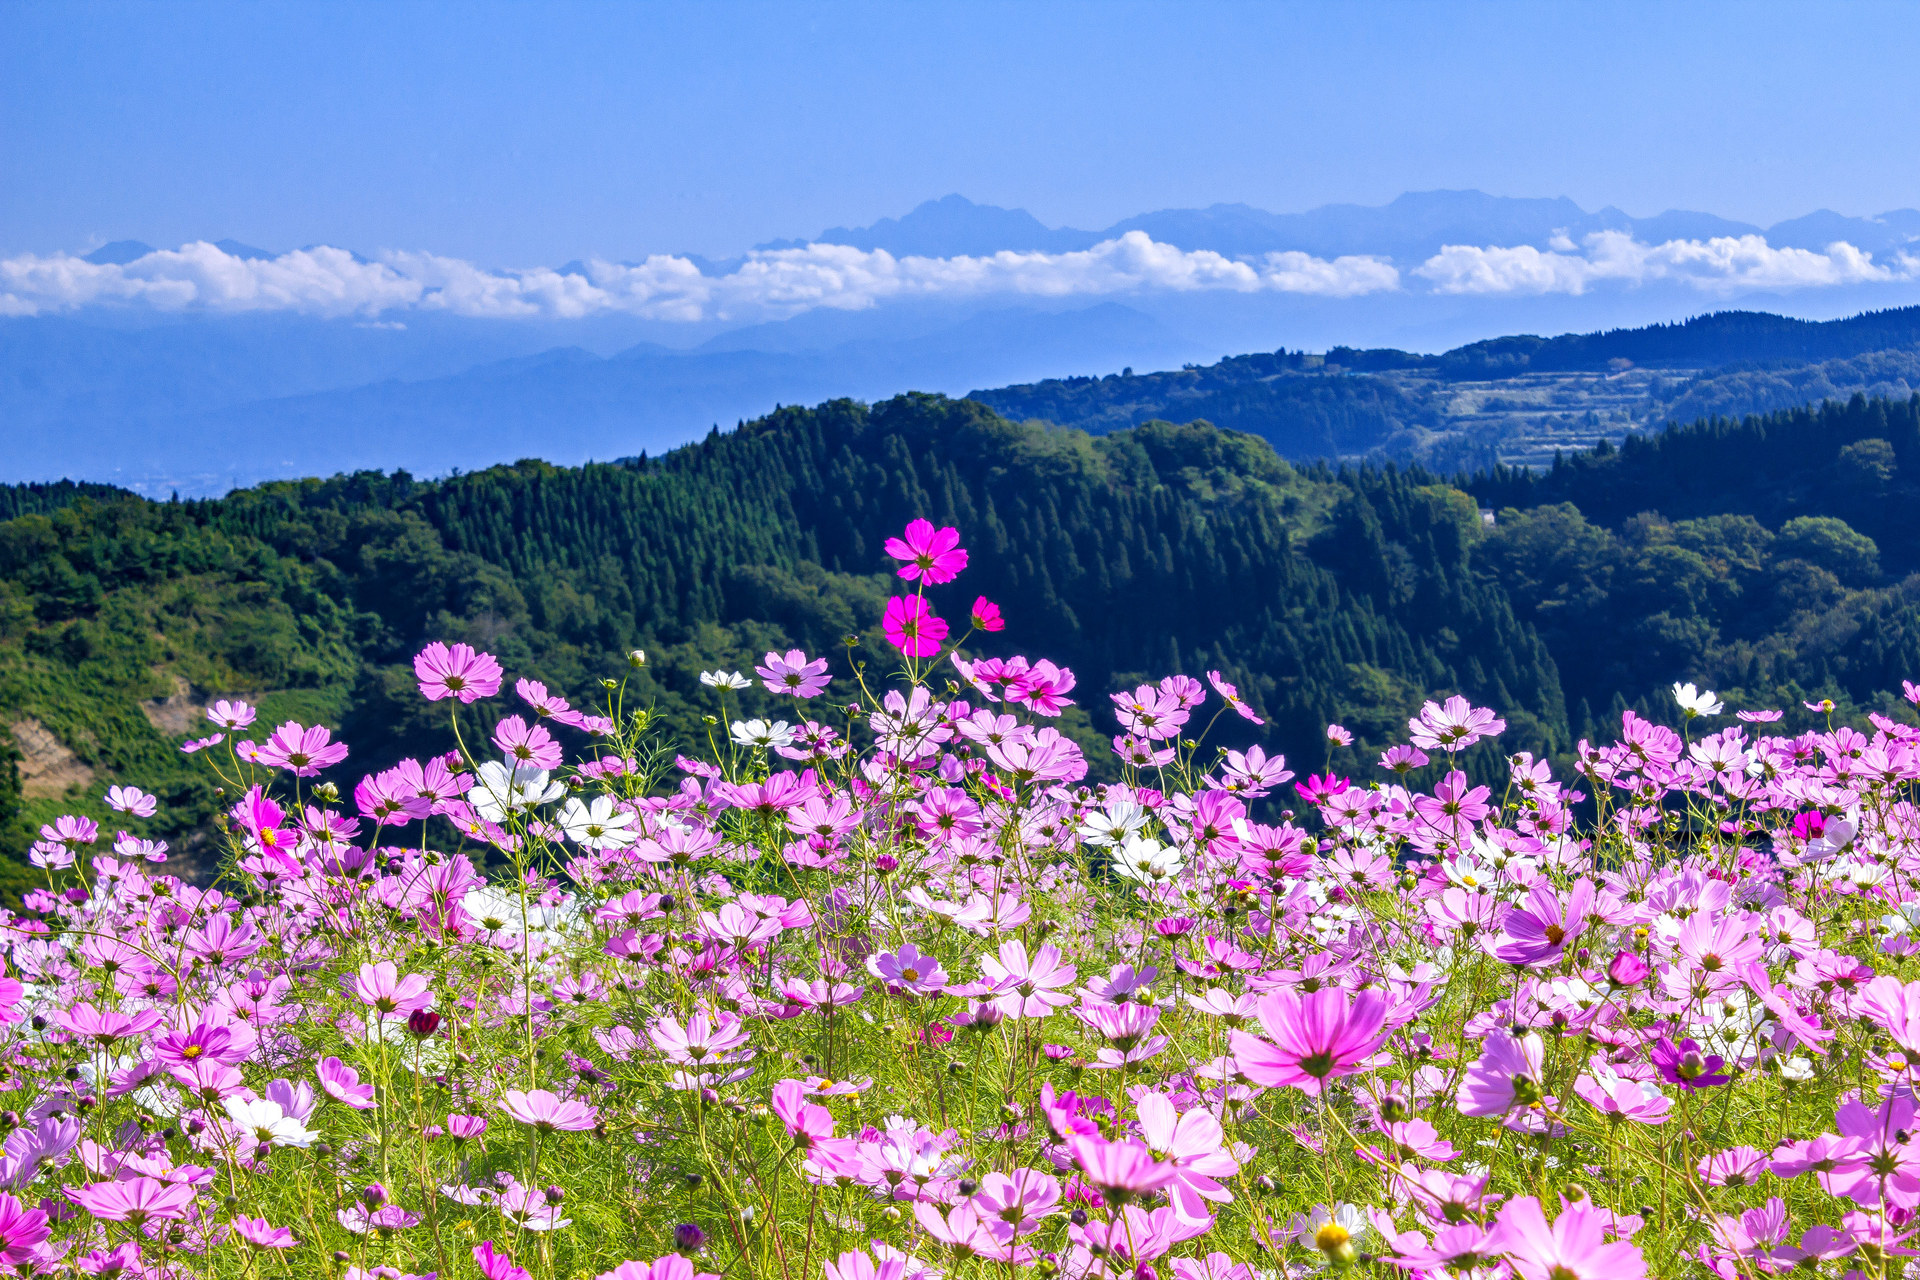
(1121, 1171)
(529, 746)
(231, 716)
(1454, 725)
(342, 1083)
(793, 674)
(136, 1200)
(986, 616)
(456, 671)
(671, 1267)
(261, 1234)
(1316, 1037)
(912, 628)
(547, 1111)
(497, 1264)
(21, 1230)
(382, 989)
(1573, 1248)
(1231, 693)
(932, 555)
(131, 800)
(302, 751)
(856, 1265)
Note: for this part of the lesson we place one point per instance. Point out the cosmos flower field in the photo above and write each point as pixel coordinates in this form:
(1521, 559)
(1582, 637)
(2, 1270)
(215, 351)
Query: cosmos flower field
(888, 989)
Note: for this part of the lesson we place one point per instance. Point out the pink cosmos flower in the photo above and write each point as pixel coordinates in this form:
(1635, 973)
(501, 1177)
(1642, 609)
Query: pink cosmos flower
(136, 1200)
(21, 1231)
(526, 746)
(1121, 1171)
(986, 616)
(342, 1083)
(908, 971)
(1195, 1145)
(497, 1264)
(104, 1026)
(1454, 725)
(857, 1265)
(382, 989)
(793, 674)
(1042, 688)
(456, 671)
(1028, 987)
(912, 628)
(1573, 1248)
(1231, 693)
(259, 1233)
(131, 800)
(1538, 931)
(1316, 1037)
(1686, 1065)
(548, 1112)
(231, 716)
(1620, 1099)
(1508, 1073)
(201, 744)
(932, 555)
(302, 751)
(671, 1267)
(1339, 735)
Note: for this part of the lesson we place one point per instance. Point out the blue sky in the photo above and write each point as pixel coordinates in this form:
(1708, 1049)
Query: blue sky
(534, 133)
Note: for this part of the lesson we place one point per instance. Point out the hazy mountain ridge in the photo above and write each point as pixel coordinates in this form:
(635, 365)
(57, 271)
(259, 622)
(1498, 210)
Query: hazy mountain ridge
(1411, 227)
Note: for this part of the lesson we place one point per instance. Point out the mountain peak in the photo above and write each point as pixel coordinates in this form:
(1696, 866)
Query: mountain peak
(119, 253)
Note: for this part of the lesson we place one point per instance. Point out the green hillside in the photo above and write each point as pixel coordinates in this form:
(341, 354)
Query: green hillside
(1769, 559)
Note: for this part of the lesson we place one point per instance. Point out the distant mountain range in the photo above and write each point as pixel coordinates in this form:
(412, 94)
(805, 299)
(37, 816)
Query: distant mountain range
(203, 402)
(1411, 228)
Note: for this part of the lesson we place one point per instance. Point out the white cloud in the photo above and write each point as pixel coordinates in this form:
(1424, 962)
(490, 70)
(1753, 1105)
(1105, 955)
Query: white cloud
(1724, 264)
(332, 282)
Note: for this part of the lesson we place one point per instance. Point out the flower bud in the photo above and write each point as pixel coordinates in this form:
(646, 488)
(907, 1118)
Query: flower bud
(689, 1238)
(1627, 970)
(423, 1023)
(637, 658)
(374, 1195)
(555, 1195)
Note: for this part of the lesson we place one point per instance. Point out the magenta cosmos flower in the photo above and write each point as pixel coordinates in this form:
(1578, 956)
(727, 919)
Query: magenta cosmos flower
(1122, 1171)
(382, 989)
(932, 555)
(1454, 725)
(21, 1231)
(912, 628)
(1315, 1037)
(908, 971)
(1574, 1248)
(793, 674)
(547, 1111)
(302, 751)
(136, 1200)
(342, 1083)
(986, 616)
(456, 671)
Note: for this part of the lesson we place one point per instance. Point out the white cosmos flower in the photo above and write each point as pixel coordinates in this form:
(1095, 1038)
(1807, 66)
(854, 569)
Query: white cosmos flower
(500, 789)
(1117, 822)
(723, 680)
(1694, 702)
(1796, 1068)
(761, 733)
(596, 824)
(268, 1123)
(1140, 858)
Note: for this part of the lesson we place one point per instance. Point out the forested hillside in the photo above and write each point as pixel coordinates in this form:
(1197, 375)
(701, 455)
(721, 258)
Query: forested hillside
(1770, 559)
(1327, 596)
(1515, 399)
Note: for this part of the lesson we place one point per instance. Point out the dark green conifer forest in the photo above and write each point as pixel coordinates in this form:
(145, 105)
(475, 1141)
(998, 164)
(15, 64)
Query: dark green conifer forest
(1775, 559)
